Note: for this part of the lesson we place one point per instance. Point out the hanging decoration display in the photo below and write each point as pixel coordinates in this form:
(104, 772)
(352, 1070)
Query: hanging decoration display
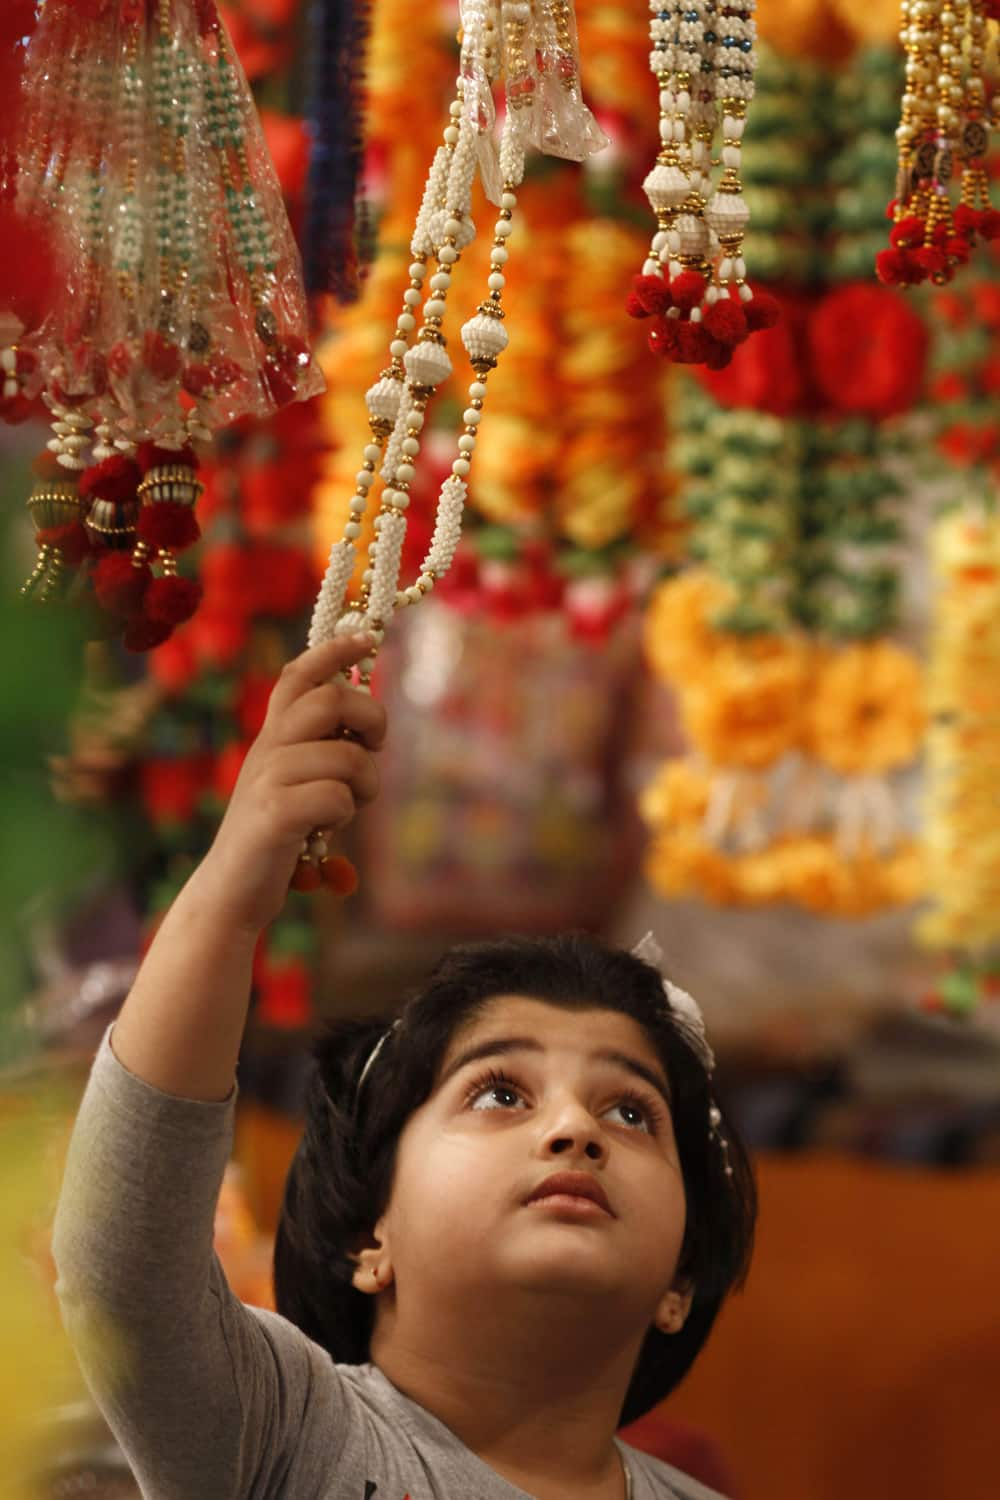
(941, 209)
(180, 308)
(532, 50)
(694, 280)
(800, 711)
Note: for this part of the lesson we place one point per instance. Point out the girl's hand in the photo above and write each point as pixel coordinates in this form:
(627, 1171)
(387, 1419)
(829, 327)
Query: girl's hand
(298, 776)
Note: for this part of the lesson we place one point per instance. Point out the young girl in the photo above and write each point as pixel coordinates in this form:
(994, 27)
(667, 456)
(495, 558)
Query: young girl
(507, 1231)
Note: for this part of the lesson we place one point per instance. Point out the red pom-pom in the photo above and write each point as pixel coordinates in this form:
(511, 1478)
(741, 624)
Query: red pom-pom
(989, 224)
(693, 344)
(306, 877)
(726, 322)
(47, 466)
(892, 267)
(119, 585)
(339, 874)
(662, 338)
(933, 260)
(634, 307)
(907, 234)
(762, 311)
(169, 525)
(116, 479)
(958, 250)
(653, 293)
(71, 539)
(144, 635)
(718, 356)
(966, 221)
(152, 457)
(687, 290)
(171, 600)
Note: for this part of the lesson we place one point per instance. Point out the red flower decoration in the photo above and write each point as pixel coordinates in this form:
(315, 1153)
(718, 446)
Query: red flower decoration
(171, 788)
(869, 351)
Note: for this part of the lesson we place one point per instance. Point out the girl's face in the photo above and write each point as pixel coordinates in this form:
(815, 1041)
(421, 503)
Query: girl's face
(525, 1090)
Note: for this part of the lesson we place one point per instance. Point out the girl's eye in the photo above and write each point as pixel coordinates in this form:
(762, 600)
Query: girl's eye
(635, 1108)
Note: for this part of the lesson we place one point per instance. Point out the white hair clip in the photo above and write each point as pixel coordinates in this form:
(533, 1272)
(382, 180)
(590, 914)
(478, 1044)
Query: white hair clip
(682, 1006)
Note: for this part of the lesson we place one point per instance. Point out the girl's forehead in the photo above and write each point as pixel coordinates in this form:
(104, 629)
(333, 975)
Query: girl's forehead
(547, 1026)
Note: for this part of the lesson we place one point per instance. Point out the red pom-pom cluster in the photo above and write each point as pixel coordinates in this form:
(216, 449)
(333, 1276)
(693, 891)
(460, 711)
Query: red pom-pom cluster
(126, 598)
(915, 256)
(688, 329)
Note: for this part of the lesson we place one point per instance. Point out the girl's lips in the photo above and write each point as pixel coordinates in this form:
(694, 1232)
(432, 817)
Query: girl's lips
(571, 1203)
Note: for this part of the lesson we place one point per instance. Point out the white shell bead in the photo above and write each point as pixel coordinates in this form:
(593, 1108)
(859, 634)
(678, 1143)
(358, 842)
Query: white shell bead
(427, 364)
(410, 446)
(477, 391)
(461, 467)
(484, 337)
(435, 308)
(407, 322)
(496, 282)
(418, 271)
(499, 255)
(467, 443)
(411, 296)
(405, 473)
(440, 281)
(448, 254)
(372, 450)
(397, 348)
(471, 417)
(508, 201)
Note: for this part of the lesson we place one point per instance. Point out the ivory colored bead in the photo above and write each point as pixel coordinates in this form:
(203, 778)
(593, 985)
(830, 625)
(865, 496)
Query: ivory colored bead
(455, 109)
(352, 531)
(471, 417)
(373, 453)
(400, 501)
(451, 134)
(398, 348)
(411, 297)
(410, 446)
(477, 391)
(496, 282)
(407, 322)
(461, 467)
(405, 473)
(365, 478)
(440, 281)
(453, 228)
(435, 308)
(467, 443)
(358, 505)
(508, 201)
(499, 255)
(447, 255)
(502, 228)
(418, 271)
(416, 419)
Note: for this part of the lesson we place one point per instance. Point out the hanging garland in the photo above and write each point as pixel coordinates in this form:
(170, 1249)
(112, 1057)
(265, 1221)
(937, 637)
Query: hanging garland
(798, 709)
(945, 120)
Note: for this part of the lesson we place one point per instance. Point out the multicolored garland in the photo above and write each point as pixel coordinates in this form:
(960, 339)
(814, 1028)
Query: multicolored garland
(137, 127)
(945, 116)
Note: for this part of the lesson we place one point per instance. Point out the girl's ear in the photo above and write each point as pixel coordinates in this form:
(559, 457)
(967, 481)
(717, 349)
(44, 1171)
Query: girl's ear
(674, 1306)
(372, 1261)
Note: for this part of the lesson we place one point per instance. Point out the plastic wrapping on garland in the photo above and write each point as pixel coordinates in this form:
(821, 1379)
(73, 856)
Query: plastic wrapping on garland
(179, 306)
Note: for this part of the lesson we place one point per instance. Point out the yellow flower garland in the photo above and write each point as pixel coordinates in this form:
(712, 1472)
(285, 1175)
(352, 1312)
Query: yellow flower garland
(963, 746)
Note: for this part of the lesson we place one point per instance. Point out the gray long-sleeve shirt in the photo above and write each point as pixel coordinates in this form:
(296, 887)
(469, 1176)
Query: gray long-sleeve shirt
(211, 1399)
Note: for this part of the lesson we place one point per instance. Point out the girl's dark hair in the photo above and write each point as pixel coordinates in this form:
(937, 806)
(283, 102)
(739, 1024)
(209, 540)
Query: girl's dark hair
(340, 1179)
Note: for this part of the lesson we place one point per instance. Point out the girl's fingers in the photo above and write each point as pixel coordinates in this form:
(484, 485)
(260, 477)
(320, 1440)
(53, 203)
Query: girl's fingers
(314, 804)
(330, 709)
(314, 668)
(327, 761)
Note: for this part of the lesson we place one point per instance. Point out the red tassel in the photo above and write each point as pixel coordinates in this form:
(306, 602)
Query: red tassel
(718, 356)
(152, 457)
(663, 338)
(168, 526)
(687, 290)
(71, 540)
(120, 586)
(762, 311)
(726, 321)
(907, 234)
(693, 344)
(171, 600)
(989, 224)
(116, 479)
(892, 268)
(144, 635)
(966, 221)
(653, 293)
(933, 260)
(634, 307)
(339, 874)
